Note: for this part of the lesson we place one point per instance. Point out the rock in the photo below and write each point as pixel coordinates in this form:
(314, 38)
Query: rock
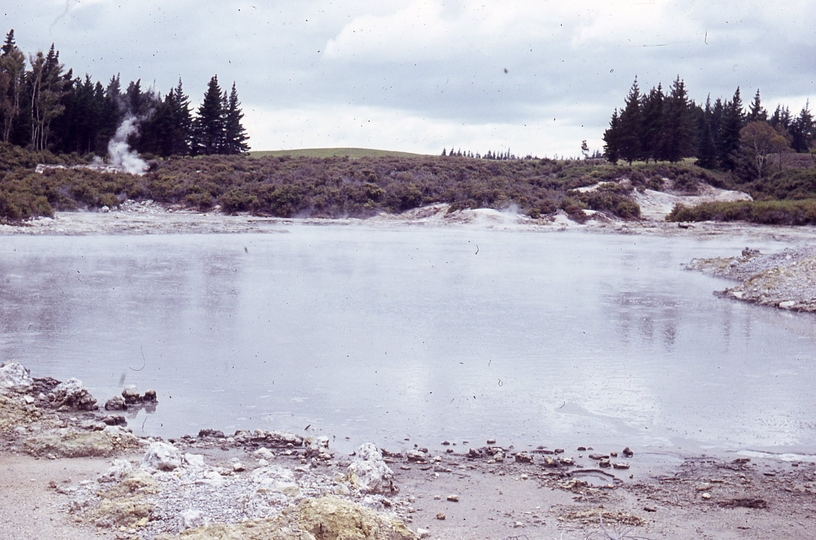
(120, 469)
(161, 456)
(115, 420)
(524, 457)
(195, 461)
(15, 377)
(208, 433)
(627, 452)
(620, 465)
(264, 453)
(73, 395)
(581, 449)
(452, 498)
(116, 403)
(270, 439)
(598, 457)
(369, 471)
(416, 456)
(440, 516)
(69, 442)
(423, 533)
(131, 394)
(150, 396)
(604, 463)
(550, 462)
(491, 441)
(319, 449)
(191, 519)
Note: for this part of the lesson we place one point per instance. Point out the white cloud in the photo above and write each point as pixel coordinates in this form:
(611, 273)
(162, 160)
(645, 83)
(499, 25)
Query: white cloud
(433, 64)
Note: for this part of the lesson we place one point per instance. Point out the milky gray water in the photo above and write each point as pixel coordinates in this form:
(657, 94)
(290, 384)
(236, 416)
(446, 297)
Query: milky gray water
(382, 334)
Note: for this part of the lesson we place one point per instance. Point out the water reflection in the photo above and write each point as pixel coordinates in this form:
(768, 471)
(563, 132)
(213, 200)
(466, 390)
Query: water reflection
(382, 334)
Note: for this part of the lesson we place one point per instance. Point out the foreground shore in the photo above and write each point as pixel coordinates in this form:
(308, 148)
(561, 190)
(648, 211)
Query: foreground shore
(70, 470)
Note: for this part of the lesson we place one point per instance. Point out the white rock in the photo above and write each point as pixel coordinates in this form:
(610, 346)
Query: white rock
(264, 453)
(119, 470)
(72, 393)
(196, 461)
(191, 519)
(369, 471)
(13, 376)
(161, 456)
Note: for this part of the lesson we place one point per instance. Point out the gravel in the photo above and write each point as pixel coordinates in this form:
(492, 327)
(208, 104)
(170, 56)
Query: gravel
(785, 280)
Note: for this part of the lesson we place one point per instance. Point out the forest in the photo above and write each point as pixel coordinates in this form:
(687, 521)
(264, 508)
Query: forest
(43, 106)
(670, 127)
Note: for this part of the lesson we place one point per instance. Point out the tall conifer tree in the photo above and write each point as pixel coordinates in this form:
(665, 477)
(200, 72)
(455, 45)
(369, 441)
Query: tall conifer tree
(630, 126)
(208, 126)
(677, 134)
(728, 140)
(235, 137)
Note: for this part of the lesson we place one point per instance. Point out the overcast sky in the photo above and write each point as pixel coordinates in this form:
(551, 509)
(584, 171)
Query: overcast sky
(421, 75)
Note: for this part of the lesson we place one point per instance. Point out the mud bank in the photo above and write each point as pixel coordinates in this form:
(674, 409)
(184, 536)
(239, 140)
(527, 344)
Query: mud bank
(68, 474)
(785, 280)
(148, 217)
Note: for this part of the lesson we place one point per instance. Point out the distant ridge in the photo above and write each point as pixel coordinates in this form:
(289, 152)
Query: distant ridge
(352, 153)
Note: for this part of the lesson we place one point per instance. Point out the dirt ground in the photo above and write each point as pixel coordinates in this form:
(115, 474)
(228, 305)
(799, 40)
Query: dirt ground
(551, 495)
(689, 497)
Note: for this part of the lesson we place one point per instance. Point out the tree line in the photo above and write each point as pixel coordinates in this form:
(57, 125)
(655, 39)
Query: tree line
(669, 126)
(44, 107)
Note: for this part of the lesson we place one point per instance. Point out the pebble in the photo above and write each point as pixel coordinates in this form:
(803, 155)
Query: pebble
(440, 516)
(453, 498)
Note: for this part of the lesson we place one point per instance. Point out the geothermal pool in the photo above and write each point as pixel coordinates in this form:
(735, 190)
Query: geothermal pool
(382, 334)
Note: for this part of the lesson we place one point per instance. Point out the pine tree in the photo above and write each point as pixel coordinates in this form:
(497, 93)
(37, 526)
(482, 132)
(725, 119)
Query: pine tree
(756, 112)
(12, 77)
(802, 130)
(630, 126)
(706, 149)
(729, 132)
(235, 137)
(652, 123)
(611, 137)
(208, 126)
(677, 135)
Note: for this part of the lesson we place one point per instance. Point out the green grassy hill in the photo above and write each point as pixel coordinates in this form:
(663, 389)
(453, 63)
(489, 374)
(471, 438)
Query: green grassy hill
(353, 153)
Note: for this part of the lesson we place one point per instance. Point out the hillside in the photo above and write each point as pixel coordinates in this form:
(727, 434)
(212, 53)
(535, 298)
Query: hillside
(363, 186)
(352, 153)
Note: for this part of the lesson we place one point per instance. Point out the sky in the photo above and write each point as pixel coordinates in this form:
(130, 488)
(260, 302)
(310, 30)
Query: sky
(535, 77)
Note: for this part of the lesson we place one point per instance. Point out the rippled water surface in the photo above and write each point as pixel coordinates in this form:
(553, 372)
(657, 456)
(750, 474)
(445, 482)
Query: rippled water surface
(383, 334)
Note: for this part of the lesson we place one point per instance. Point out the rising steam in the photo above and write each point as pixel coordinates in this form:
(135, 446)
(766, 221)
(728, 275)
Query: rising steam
(120, 155)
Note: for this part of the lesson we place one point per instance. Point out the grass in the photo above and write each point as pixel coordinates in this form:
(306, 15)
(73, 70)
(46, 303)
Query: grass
(352, 153)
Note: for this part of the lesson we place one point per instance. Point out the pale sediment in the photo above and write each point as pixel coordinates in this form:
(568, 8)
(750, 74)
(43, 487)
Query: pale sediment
(785, 280)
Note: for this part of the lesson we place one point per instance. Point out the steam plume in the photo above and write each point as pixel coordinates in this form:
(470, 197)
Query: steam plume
(120, 155)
